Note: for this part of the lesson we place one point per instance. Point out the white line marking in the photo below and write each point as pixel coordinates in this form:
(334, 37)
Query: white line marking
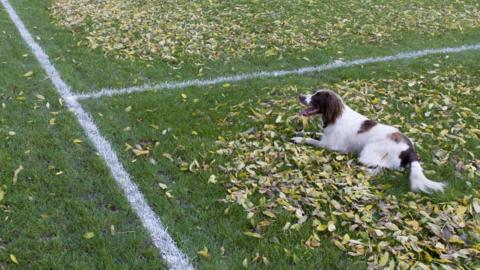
(275, 73)
(162, 240)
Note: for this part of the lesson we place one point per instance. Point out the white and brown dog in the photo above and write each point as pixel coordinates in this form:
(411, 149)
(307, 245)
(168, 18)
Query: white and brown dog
(379, 146)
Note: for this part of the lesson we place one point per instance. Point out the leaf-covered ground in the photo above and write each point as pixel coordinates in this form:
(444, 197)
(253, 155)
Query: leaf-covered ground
(330, 193)
(178, 30)
(217, 164)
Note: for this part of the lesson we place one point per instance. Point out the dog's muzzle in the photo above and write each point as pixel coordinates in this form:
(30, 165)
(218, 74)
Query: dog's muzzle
(303, 99)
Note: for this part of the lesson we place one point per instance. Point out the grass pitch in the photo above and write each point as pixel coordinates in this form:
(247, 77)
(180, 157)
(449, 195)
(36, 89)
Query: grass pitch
(168, 141)
(80, 65)
(182, 153)
(64, 193)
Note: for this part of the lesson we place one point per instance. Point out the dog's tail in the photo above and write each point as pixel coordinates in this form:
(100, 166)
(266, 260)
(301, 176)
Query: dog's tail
(419, 182)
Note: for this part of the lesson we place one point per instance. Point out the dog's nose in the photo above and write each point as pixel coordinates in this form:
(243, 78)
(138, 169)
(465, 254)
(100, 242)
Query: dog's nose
(302, 98)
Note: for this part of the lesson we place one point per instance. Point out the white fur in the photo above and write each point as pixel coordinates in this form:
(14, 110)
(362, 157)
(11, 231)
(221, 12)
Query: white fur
(375, 147)
(308, 98)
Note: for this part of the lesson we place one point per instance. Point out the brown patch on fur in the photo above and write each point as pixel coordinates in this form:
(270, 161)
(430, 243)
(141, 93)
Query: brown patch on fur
(396, 137)
(329, 104)
(366, 126)
(407, 156)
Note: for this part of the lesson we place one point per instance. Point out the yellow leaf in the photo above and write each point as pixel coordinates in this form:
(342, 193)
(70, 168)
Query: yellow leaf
(129, 108)
(269, 213)
(384, 259)
(271, 52)
(456, 240)
(476, 205)
(335, 204)
(183, 95)
(414, 224)
(212, 179)
(345, 239)
(77, 141)
(15, 174)
(204, 253)
(88, 235)
(461, 210)
(278, 120)
(28, 74)
(168, 156)
(339, 245)
(313, 241)
(391, 226)
(13, 259)
(139, 152)
(162, 186)
(251, 234)
(304, 122)
(331, 226)
(321, 227)
(245, 263)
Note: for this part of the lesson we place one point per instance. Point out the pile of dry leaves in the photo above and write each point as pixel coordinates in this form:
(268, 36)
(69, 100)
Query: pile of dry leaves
(176, 30)
(330, 193)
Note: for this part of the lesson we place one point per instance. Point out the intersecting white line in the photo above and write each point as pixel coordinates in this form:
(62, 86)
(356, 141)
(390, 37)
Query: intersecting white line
(275, 73)
(161, 239)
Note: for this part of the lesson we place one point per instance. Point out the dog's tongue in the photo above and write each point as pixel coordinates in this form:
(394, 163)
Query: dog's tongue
(309, 111)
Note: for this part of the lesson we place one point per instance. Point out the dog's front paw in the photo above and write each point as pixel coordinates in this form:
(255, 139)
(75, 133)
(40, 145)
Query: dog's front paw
(374, 170)
(297, 140)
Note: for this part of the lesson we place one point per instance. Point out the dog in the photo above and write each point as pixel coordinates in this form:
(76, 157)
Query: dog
(379, 146)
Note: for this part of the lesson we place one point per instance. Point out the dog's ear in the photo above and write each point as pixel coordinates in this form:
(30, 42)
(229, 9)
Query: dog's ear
(332, 107)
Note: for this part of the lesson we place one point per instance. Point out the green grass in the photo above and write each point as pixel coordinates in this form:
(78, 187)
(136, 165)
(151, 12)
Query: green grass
(64, 190)
(79, 65)
(195, 215)
(47, 232)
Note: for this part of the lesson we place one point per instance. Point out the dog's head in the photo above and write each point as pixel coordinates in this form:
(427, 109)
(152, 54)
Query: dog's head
(324, 102)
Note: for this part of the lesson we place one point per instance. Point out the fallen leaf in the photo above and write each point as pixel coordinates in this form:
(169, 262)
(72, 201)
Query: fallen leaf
(13, 259)
(88, 235)
(15, 174)
(204, 253)
(212, 179)
(251, 234)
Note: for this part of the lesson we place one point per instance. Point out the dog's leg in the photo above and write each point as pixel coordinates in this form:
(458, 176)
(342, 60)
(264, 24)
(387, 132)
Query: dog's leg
(307, 133)
(309, 141)
(373, 156)
(374, 170)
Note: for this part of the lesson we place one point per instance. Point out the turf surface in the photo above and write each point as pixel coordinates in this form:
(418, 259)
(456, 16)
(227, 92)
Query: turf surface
(80, 66)
(64, 192)
(177, 137)
(177, 128)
